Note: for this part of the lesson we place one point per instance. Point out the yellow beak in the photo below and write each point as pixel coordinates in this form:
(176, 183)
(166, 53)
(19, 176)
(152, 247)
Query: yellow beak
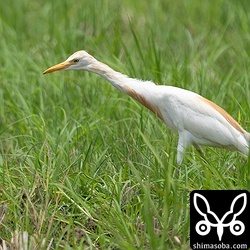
(60, 66)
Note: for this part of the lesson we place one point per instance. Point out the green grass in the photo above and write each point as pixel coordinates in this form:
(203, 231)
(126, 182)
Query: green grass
(84, 167)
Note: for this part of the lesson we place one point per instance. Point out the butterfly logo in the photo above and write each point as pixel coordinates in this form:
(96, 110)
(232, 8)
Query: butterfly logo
(210, 219)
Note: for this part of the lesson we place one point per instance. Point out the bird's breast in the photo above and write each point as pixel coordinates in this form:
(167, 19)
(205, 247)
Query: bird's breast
(145, 102)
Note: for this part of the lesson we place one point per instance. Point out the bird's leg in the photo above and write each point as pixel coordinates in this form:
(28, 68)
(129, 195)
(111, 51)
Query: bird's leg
(180, 154)
(183, 143)
(181, 148)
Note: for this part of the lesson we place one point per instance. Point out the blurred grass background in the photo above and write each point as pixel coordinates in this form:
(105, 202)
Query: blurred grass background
(84, 167)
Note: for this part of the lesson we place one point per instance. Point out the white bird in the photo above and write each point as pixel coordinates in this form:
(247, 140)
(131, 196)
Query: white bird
(197, 120)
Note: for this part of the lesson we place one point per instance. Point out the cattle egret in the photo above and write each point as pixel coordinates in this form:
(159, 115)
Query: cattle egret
(197, 120)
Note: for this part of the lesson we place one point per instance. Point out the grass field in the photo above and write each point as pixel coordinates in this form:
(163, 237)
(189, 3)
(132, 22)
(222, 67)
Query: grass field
(84, 167)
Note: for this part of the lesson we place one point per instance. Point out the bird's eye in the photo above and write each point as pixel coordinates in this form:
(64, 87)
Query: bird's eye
(76, 60)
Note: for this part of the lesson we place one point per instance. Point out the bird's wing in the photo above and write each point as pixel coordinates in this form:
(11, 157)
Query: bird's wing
(206, 122)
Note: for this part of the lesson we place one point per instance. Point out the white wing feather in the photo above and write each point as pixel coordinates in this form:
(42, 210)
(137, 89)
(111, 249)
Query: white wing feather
(185, 110)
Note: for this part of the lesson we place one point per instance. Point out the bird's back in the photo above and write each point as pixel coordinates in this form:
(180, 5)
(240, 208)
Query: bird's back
(206, 122)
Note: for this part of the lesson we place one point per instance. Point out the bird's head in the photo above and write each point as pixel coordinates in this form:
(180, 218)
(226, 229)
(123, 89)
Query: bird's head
(80, 60)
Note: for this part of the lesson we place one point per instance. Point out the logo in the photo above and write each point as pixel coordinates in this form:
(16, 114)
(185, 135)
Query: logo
(219, 219)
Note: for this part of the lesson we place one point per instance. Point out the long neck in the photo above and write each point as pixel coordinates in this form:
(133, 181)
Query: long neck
(139, 90)
(117, 79)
